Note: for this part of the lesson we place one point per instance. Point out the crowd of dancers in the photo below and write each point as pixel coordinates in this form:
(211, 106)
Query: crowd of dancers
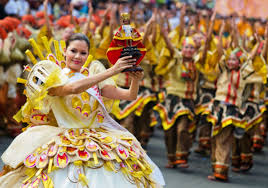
(204, 79)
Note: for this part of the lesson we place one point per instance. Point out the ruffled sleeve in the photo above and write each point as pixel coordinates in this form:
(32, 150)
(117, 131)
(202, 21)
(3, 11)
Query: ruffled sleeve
(212, 67)
(95, 68)
(103, 45)
(166, 62)
(37, 89)
(255, 71)
(151, 53)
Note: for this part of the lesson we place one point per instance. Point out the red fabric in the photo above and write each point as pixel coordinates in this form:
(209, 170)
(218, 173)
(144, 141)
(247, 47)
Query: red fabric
(65, 21)
(41, 15)
(236, 86)
(113, 55)
(22, 31)
(14, 21)
(82, 20)
(3, 33)
(96, 19)
(7, 25)
(29, 18)
(229, 89)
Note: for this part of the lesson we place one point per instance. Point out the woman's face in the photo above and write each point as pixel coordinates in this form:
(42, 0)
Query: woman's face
(233, 62)
(188, 50)
(76, 54)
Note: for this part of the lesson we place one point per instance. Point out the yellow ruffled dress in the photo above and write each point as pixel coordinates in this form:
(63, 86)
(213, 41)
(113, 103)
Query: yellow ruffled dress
(72, 141)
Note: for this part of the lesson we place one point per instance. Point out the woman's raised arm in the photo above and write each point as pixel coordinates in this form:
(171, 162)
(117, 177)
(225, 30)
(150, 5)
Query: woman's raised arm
(86, 83)
(113, 92)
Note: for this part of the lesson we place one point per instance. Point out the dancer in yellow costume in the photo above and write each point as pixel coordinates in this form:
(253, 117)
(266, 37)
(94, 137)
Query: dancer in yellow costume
(177, 111)
(234, 69)
(242, 155)
(71, 140)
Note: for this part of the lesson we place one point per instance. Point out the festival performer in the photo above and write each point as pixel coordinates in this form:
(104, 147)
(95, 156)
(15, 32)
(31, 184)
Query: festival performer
(143, 113)
(235, 69)
(71, 140)
(242, 156)
(13, 43)
(206, 92)
(177, 111)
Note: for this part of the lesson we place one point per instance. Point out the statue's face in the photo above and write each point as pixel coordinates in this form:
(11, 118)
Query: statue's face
(125, 21)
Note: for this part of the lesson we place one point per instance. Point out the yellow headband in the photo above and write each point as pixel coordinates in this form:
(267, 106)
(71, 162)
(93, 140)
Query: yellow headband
(189, 40)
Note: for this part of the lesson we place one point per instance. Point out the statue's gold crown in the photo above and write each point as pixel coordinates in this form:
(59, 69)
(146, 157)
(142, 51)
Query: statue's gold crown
(125, 16)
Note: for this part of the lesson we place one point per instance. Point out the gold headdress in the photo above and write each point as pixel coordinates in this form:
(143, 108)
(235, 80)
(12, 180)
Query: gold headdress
(125, 16)
(189, 40)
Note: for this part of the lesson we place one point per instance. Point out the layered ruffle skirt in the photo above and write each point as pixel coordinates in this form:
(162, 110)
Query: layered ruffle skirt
(46, 156)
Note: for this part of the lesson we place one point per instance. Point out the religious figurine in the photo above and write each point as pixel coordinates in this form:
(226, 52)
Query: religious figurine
(126, 41)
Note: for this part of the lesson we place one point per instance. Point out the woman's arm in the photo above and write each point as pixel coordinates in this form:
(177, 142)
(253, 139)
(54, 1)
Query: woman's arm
(164, 33)
(86, 83)
(265, 47)
(154, 27)
(113, 22)
(254, 51)
(166, 20)
(219, 45)
(104, 20)
(90, 12)
(49, 31)
(148, 28)
(167, 41)
(113, 92)
(235, 32)
(208, 39)
(182, 23)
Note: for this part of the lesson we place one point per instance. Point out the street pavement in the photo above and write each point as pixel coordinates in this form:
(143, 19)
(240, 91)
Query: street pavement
(196, 175)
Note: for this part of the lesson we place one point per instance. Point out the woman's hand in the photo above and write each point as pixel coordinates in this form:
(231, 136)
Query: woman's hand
(138, 75)
(123, 63)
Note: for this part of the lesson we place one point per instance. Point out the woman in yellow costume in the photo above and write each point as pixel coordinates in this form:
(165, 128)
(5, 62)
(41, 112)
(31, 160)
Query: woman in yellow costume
(206, 93)
(242, 156)
(71, 140)
(177, 111)
(233, 70)
(147, 91)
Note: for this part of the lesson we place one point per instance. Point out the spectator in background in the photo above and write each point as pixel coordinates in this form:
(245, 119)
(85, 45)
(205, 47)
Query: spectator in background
(11, 8)
(23, 7)
(80, 8)
(3, 13)
(34, 5)
(57, 10)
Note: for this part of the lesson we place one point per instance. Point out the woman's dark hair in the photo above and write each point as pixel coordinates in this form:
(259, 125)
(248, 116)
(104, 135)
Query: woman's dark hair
(78, 36)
